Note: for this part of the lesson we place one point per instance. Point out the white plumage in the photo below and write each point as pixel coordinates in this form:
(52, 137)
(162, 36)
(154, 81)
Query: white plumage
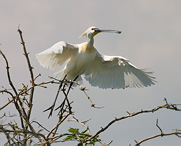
(99, 70)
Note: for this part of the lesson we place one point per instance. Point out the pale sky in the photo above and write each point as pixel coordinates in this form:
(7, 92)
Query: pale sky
(150, 39)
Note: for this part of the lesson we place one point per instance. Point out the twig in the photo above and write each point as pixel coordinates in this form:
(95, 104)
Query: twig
(6, 91)
(83, 89)
(37, 76)
(55, 128)
(155, 136)
(159, 126)
(82, 123)
(8, 73)
(39, 125)
(89, 133)
(6, 104)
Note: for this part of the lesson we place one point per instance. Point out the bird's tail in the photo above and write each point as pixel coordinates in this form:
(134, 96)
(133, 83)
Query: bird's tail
(60, 75)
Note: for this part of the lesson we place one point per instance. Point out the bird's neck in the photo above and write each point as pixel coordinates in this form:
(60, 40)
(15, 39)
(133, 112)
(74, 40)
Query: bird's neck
(88, 46)
(90, 42)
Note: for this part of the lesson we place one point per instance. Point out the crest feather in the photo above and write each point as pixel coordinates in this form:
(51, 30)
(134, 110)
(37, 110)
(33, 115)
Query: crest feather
(84, 34)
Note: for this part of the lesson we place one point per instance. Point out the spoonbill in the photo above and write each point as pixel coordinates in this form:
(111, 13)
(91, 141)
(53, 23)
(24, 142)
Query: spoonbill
(98, 69)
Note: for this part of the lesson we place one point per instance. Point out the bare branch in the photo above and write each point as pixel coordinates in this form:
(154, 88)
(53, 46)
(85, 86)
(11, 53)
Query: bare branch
(39, 125)
(8, 73)
(167, 106)
(6, 104)
(31, 74)
(55, 128)
(21, 131)
(83, 89)
(177, 133)
(15, 98)
(82, 123)
(159, 126)
(158, 135)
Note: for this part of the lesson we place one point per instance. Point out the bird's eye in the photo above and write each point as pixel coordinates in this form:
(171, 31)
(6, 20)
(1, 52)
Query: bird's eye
(93, 28)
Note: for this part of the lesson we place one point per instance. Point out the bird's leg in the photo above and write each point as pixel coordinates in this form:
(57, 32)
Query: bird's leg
(53, 105)
(63, 103)
(71, 85)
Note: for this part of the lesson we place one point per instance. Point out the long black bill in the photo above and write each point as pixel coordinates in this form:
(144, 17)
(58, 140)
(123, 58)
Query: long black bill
(111, 31)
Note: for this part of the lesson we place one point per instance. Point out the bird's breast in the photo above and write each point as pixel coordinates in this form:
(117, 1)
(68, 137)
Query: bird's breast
(81, 61)
(84, 58)
(78, 63)
(85, 48)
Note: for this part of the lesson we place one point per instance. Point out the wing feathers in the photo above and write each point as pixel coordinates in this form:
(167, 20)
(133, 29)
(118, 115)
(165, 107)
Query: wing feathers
(56, 55)
(116, 72)
(104, 71)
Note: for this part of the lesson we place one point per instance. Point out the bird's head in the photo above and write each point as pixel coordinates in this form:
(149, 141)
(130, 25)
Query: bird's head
(92, 31)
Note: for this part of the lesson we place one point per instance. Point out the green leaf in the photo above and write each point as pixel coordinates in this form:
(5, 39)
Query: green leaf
(73, 130)
(70, 137)
(84, 131)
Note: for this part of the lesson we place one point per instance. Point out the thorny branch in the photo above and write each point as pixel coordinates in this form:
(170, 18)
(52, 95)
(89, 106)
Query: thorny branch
(31, 74)
(166, 106)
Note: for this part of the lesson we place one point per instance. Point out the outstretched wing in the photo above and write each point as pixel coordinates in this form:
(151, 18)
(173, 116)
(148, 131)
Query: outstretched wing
(56, 55)
(116, 72)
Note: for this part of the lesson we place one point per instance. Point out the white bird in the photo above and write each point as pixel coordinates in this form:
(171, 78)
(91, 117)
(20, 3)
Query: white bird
(99, 70)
